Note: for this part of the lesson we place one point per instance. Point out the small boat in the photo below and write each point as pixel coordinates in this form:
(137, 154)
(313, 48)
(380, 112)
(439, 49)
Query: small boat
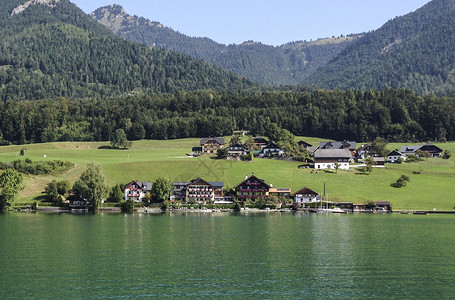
(338, 210)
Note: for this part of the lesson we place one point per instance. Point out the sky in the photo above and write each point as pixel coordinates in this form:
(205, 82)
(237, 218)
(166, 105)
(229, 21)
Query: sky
(271, 22)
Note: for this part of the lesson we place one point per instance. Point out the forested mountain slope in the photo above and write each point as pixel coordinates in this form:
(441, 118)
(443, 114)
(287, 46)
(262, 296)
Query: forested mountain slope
(50, 48)
(287, 64)
(416, 51)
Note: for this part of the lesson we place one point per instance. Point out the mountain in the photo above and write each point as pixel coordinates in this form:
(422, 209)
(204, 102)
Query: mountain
(416, 52)
(286, 64)
(51, 48)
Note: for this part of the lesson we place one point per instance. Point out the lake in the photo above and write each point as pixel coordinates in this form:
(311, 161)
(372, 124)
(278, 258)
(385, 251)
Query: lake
(227, 256)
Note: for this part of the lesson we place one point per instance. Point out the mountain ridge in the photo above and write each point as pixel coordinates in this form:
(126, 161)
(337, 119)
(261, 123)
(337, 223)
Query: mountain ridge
(275, 65)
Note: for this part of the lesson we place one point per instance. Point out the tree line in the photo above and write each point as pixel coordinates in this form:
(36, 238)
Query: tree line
(396, 115)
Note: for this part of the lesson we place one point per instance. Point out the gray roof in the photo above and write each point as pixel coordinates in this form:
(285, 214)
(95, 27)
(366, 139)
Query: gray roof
(313, 149)
(407, 149)
(218, 140)
(332, 153)
(146, 185)
(218, 184)
(339, 145)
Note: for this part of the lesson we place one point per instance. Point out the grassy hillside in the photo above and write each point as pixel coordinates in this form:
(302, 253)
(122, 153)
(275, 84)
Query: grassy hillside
(149, 159)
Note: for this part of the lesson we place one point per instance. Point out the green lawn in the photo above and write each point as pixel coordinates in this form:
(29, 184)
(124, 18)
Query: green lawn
(147, 160)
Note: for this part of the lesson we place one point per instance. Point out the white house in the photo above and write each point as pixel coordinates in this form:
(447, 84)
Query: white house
(237, 150)
(394, 156)
(326, 158)
(306, 195)
(136, 190)
(271, 150)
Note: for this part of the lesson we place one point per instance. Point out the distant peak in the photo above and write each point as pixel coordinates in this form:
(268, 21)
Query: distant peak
(113, 9)
(115, 18)
(19, 9)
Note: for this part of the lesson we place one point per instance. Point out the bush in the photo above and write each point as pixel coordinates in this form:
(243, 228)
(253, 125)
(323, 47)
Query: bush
(127, 206)
(246, 157)
(222, 153)
(402, 181)
(413, 158)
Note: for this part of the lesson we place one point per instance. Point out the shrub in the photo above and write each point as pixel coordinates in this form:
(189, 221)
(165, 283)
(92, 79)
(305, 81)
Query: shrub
(127, 206)
(246, 157)
(413, 158)
(402, 181)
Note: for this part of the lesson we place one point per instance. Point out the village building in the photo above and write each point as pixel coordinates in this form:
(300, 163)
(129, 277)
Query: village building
(198, 191)
(237, 150)
(211, 145)
(305, 145)
(364, 151)
(305, 196)
(346, 206)
(326, 158)
(271, 150)
(379, 161)
(78, 203)
(383, 206)
(136, 190)
(434, 151)
(252, 188)
(196, 150)
(178, 192)
(362, 208)
(394, 156)
(281, 193)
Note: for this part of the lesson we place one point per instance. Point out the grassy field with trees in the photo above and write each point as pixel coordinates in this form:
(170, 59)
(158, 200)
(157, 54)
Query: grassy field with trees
(429, 186)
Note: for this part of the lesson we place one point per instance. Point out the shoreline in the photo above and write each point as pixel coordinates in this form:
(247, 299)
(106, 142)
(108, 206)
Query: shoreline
(244, 211)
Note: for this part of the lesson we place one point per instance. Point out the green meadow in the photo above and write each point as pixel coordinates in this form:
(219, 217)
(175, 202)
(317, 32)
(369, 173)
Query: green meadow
(147, 160)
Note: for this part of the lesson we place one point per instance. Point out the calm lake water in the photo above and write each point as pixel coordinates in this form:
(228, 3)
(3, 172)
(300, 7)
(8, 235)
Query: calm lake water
(262, 256)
